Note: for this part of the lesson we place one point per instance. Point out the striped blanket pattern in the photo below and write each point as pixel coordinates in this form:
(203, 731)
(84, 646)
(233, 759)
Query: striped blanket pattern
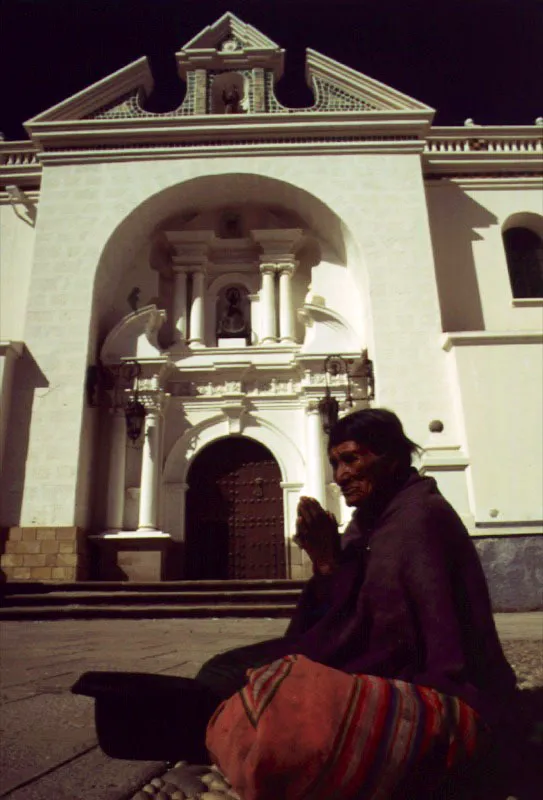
(301, 730)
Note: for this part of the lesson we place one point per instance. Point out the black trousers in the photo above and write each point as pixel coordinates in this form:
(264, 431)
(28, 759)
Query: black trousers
(162, 717)
(225, 674)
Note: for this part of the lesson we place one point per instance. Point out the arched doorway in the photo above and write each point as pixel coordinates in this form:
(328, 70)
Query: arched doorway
(234, 523)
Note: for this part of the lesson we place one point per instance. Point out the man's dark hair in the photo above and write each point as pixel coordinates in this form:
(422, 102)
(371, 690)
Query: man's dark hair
(379, 430)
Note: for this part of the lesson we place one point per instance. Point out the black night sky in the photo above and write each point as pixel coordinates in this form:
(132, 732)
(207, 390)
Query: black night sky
(465, 58)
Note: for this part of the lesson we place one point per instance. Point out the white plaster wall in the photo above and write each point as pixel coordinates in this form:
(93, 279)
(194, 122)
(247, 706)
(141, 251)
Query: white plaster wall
(471, 268)
(502, 393)
(16, 246)
(334, 282)
(379, 198)
(136, 273)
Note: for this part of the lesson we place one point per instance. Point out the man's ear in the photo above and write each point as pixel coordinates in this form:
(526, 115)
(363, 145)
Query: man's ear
(385, 466)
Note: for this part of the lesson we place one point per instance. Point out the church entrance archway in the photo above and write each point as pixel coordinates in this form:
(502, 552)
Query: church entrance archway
(234, 513)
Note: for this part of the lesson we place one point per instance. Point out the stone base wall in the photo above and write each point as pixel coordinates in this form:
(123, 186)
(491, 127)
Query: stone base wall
(299, 565)
(43, 554)
(513, 567)
(132, 560)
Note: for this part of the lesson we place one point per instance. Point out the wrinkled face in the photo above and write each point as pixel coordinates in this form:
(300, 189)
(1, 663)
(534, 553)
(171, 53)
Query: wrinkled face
(354, 471)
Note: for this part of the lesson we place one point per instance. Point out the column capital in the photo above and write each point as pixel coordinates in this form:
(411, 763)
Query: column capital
(279, 241)
(268, 267)
(286, 267)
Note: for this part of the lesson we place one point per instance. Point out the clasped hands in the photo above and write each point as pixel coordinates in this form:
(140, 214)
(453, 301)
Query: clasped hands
(317, 533)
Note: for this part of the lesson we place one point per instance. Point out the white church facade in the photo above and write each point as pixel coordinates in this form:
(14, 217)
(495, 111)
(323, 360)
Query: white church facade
(180, 291)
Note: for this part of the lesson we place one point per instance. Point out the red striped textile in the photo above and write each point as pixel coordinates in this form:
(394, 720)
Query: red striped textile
(302, 731)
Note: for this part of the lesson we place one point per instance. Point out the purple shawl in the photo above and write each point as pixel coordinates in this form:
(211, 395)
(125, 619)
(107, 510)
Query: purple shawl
(408, 601)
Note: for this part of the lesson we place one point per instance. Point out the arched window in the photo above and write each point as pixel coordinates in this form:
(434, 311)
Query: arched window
(524, 253)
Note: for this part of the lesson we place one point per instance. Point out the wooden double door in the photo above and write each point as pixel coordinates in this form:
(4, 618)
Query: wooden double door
(234, 513)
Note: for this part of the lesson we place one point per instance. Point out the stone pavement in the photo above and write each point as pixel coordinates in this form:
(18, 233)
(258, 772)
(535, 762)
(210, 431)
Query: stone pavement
(48, 747)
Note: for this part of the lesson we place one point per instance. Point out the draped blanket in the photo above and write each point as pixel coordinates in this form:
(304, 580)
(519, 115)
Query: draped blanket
(299, 729)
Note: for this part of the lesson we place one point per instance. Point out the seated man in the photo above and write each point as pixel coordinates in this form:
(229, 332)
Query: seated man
(402, 593)
(401, 597)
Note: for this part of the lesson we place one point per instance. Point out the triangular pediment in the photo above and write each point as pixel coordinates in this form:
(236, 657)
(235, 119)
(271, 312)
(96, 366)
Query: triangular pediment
(112, 90)
(230, 32)
(340, 88)
(228, 59)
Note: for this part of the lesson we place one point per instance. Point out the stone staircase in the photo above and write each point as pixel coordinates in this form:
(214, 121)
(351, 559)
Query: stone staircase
(102, 599)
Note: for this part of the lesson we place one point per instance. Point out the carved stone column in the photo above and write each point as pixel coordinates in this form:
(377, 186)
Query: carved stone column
(286, 308)
(179, 310)
(315, 450)
(268, 326)
(278, 248)
(150, 464)
(197, 322)
(116, 473)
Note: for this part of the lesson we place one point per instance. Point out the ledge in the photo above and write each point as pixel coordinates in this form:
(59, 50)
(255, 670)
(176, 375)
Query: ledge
(483, 338)
(7, 345)
(507, 528)
(127, 535)
(527, 302)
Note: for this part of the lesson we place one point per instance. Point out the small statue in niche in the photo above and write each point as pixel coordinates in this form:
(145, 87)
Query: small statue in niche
(232, 321)
(231, 99)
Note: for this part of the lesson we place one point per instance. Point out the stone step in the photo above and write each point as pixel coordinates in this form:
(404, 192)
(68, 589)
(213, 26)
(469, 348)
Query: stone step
(149, 611)
(37, 587)
(129, 597)
(97, 599)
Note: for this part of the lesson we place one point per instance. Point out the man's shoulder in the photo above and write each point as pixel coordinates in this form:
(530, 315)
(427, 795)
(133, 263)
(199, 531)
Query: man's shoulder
(420, 509)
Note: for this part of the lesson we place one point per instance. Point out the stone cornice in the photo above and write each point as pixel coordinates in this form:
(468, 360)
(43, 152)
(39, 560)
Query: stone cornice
(513, 153)
(149, 137)
(485, 338)
(19, 165)
(492, 181)
(276, 148)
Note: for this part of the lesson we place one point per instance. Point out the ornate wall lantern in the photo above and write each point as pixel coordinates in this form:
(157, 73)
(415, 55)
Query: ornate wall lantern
(329, 406)
(336, 365)
(364, 372)
(108, 387)
(135, 419)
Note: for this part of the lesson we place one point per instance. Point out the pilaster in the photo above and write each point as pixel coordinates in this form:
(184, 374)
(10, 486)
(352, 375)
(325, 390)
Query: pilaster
(116, 472)
(315, 449)
(150, 461)
(268, 327)
(286, 308)
(197, 320)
